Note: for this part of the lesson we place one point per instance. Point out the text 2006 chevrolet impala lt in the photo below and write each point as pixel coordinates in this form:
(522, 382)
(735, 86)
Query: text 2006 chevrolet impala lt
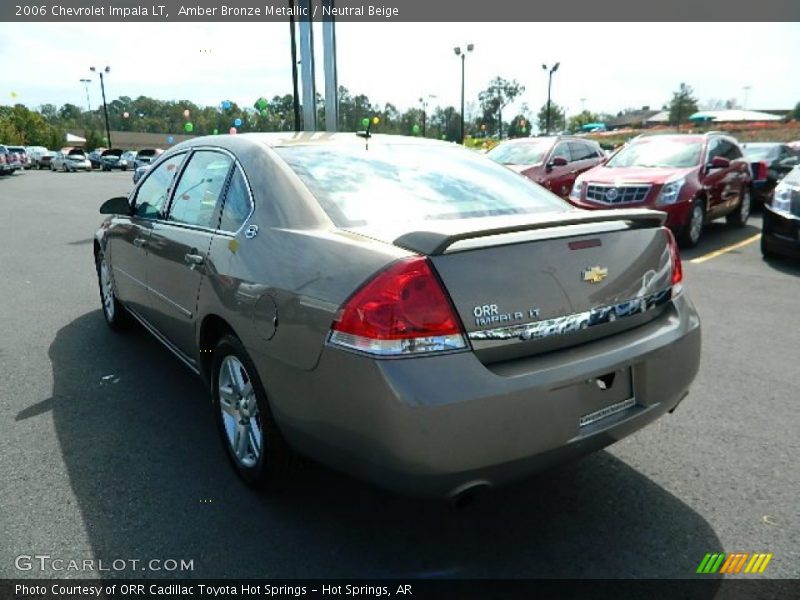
(402, 309)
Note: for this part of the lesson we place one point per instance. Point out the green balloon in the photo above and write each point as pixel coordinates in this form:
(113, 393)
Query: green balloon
(188, 127)
(216, 132)
(365, 122)
(524, 130)
(444, 136)
(264, 113)
(261, 103)
(415, 129)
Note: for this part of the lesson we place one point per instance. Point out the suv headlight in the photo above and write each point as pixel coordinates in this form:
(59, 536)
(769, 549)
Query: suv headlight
(782, 200)
(670, 192)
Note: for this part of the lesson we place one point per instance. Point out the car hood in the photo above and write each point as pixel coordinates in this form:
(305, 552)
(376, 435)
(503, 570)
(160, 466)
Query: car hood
(619, 175)
(522, 168)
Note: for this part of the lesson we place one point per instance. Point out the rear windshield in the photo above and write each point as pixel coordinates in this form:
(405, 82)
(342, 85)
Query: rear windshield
(519, 153)
(674, 154)
(146, 153)
(76, 153)
(760, 151)
(391, 183)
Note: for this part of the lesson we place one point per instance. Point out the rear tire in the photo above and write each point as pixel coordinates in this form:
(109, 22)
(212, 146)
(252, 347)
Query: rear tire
(693, 230)
(765, 251)
(116, 317)
(738, 218)
(252, 441)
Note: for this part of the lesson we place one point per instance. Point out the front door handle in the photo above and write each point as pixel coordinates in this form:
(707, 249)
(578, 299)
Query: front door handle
(140, 242)
(193, 259)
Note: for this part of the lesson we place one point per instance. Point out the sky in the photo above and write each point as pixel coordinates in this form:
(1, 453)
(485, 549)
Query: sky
(604, 67)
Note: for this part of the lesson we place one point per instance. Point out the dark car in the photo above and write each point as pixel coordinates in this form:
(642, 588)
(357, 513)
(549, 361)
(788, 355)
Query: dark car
(779, 158)
(780, 232)
(379, 304)
(693, 178)
(552, 162)
(147, 156)
(95, 157)
(112, 159)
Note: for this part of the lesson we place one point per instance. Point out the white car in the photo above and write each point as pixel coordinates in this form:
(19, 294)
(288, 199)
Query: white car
(70, 161)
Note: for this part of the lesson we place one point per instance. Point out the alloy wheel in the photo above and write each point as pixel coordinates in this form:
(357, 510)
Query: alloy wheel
(696, 224)
(240, 414)
(107, 290)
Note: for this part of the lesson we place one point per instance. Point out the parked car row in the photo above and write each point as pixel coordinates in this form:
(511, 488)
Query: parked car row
(14, 158)
(695, 179)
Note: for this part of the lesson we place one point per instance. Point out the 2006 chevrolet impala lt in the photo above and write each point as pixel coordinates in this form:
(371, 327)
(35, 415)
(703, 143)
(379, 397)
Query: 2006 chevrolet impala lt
(402, 309)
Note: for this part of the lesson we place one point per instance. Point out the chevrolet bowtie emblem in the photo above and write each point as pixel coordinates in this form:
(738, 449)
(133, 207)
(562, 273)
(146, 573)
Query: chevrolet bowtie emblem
(594, 274)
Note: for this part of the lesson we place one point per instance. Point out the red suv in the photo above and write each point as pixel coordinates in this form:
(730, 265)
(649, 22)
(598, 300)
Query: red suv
(552, 162)
(693, 178)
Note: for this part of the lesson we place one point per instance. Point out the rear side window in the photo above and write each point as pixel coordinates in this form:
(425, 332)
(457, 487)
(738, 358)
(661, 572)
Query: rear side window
(151, 199)
(237, 203)
(409, 183)
(198, 192)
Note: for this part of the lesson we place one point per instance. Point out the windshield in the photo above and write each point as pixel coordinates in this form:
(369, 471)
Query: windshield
(760, 151)
(387, 184)
(675, 154)
(519, 153)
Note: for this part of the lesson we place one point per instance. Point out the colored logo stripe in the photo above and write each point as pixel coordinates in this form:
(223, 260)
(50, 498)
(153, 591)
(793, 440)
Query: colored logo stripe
(758, 563)
(734, 562)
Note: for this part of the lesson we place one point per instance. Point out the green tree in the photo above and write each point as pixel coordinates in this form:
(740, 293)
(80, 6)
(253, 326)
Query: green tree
(796, 112)
(575, 122)
(495, 98)
(519, 126)
(556, 116)
(682, 105)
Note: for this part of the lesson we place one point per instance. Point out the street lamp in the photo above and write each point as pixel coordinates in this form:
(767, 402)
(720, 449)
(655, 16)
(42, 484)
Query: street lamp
(424, 102)
(746, 90)
(463, 55)
(86, 83)
(107, 70)
(553, 69)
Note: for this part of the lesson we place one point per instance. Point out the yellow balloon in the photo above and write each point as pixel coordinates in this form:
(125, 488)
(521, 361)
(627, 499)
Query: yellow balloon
(375, 120)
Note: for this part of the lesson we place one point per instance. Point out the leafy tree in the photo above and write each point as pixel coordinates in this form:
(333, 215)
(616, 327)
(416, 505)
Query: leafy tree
(556, 116)
(796, 112)
(93, 139)
(682, 105)
(495, 98)
(575, 122)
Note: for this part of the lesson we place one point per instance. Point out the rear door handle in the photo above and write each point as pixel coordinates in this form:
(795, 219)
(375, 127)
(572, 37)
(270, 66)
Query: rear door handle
(140, 242)
(193, 259)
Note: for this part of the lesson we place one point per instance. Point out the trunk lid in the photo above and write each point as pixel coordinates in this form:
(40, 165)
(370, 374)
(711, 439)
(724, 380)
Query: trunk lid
(568, 278)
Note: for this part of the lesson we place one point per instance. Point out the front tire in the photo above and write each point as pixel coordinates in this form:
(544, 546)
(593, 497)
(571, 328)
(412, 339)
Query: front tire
(738, 218)
(693, 230)
(115, 315)
(252, 441)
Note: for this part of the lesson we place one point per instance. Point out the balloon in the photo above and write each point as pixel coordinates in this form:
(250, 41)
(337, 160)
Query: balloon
(14, 94)
(105, 141)
(226, 104)
(232, 131)
(170, 139)
(376, 120)
(186, 113)
(415, 129)
(188, 127)
(216, 132)
(126, 114)
(365, 122)
(264, 113)
(237, 122)
(524, 130)
(444, 136)
(261, 103)
(483, 127)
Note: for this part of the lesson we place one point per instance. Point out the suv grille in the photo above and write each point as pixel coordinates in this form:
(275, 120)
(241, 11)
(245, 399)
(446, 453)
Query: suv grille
(616, 194)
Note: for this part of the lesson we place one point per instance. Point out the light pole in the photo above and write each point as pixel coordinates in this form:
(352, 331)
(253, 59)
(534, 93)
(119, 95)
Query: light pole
(553, 69)
(86, 83)
(463, 55)
(103, 91)
(746, 90)
(424, 102)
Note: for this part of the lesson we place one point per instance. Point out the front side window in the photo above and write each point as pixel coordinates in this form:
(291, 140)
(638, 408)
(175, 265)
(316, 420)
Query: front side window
(356, 185)
(151, 199)
(198, 191)
(562, 151)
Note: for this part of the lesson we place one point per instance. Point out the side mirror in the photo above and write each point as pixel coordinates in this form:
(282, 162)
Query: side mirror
(118, 205)
(558, 161)
(718, 162)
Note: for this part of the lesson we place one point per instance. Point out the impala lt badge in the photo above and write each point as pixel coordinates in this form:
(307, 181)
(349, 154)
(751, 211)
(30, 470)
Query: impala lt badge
(595, 274)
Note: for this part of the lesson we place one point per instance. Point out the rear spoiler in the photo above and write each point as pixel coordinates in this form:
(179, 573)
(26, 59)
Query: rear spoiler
(433, 243)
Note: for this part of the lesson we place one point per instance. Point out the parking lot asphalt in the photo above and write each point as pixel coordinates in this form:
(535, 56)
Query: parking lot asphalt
(108, 449)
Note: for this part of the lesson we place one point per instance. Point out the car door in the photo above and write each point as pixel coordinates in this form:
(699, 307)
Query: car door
(717, 181)
(559, 179)
(129, 235)
(178, 249)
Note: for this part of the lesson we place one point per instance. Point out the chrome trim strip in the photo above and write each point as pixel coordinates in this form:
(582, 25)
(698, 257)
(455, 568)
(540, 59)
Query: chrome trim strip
(128, 275)
(607, 411)
(575, 322)
(164, 341)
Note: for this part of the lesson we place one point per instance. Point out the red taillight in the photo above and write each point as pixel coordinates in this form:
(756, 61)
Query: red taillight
(675, 258)
(401, 310)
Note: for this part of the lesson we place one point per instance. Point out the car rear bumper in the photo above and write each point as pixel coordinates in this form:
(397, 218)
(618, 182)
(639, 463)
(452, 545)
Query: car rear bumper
(780, 232)
(434, 425)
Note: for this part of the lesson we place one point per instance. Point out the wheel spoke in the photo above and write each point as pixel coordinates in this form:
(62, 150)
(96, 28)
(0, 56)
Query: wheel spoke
(242, 441)
(227, 400)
